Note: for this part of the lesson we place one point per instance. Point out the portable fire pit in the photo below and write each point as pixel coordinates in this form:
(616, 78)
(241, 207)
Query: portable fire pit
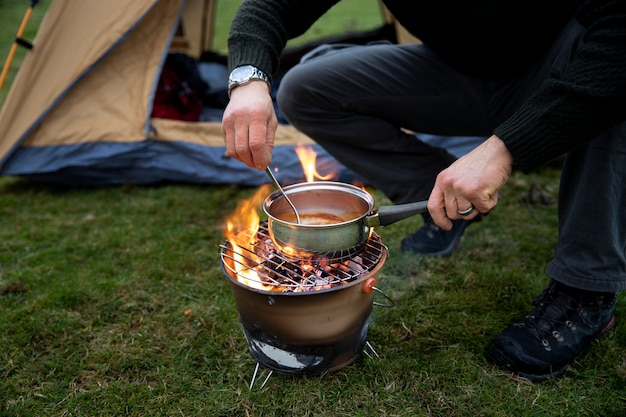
(303, 316)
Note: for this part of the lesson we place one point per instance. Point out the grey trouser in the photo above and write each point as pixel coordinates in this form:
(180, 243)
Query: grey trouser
(357, 101)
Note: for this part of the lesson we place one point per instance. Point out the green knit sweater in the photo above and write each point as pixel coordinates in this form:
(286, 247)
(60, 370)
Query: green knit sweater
(491, 40)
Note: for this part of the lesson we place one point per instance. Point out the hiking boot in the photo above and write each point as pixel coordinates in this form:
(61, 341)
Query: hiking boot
(431, 240)
(562, 325)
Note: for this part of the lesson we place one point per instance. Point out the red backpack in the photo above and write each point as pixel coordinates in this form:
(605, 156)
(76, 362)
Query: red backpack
(175, 99)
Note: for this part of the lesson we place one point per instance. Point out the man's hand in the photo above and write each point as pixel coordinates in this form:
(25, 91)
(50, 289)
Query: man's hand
(249, 125)
(471, 181)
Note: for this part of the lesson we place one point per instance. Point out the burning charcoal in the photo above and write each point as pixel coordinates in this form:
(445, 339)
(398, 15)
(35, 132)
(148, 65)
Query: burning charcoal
(264, 249)
(339, 271)
(322, 262)
(269, 245)
(281, 272)
(351, 266)
(322, 282)
(318, 272)
(355, 264)
(330, 269)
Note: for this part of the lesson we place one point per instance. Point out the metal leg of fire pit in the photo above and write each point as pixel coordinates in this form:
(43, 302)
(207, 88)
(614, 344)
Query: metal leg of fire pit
(368, 350)
(373, 354)
(256, 371)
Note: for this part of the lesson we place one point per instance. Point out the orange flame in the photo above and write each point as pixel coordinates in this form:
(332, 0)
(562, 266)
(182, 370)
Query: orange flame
(307, 157)
(240, 229)
(243, 223)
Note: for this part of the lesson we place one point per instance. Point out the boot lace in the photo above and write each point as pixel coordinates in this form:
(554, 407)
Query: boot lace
(556, 312)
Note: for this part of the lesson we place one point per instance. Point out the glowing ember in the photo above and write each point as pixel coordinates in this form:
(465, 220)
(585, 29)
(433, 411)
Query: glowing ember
(266, 268)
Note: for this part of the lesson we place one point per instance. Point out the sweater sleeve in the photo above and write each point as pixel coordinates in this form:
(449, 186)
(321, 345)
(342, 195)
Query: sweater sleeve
(589, 99)
(261, 28)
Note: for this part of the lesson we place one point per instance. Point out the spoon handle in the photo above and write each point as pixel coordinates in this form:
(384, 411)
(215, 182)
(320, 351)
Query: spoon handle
(277, 185)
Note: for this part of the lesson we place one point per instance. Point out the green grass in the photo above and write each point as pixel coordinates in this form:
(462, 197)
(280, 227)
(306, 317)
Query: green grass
(113, 303)
(345, 17)
(95, 284)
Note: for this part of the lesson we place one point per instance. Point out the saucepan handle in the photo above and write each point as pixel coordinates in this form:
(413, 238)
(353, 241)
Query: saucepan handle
(386, 215)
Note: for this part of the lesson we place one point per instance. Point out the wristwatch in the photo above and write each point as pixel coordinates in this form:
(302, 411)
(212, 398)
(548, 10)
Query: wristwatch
(244, 74)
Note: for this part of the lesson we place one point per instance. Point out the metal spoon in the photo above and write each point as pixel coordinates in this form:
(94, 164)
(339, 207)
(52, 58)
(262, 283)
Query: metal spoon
(273, 178)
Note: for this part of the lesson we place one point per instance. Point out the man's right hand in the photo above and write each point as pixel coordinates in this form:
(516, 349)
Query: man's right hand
(249, 125)
(472, 180)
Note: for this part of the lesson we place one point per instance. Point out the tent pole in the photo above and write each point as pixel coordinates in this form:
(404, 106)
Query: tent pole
(208, 22)
(20, 32)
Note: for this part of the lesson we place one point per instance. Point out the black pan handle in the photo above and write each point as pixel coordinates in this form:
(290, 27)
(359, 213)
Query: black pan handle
(386, 215)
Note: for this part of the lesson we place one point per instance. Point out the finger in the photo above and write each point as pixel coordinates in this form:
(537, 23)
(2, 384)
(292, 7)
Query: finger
(241, 149)
(258, 146)
(228, 133)
(487, 201)
(493, 200)
(465, 212)
(235, 132)
(437, 208)
(451, 205)
(269, 138)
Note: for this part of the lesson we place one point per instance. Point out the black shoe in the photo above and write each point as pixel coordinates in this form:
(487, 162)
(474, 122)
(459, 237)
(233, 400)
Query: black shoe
(562, 325)
(430, 240)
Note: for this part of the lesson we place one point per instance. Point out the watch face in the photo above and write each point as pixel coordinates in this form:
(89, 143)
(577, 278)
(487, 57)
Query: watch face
(241, 74)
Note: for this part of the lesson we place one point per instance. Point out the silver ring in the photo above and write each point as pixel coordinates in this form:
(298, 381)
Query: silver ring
(467, 211)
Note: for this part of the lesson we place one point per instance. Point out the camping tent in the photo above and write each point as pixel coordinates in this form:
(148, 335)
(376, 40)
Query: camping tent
(80, 108)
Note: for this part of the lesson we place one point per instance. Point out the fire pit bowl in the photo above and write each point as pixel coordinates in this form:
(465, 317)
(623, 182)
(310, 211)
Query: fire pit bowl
(309, 332)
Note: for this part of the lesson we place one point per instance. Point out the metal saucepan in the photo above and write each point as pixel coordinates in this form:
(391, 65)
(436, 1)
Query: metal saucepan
(336, 218)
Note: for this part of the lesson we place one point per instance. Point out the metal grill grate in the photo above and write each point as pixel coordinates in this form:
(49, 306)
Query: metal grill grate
(262, 263)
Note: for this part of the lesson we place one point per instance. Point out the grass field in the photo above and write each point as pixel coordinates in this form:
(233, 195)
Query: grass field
(113, 303)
